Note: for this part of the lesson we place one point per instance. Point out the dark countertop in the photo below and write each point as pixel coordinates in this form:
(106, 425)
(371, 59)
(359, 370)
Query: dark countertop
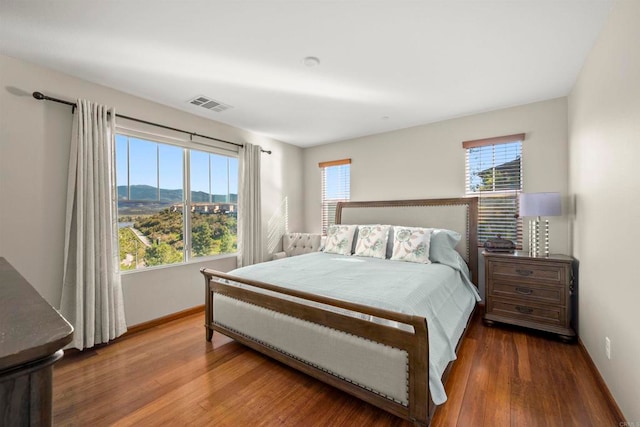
(30, 329)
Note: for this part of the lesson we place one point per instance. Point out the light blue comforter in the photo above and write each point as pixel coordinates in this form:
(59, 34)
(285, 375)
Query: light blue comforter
(442, 294)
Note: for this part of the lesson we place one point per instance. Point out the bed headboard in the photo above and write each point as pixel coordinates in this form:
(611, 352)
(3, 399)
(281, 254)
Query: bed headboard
(458, 214)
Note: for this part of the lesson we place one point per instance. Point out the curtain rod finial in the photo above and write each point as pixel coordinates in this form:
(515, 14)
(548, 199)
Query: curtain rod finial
(38, 95)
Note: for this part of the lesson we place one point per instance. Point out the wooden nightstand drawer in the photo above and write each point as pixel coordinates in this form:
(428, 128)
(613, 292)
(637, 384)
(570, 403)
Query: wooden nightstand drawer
(537, 272)
(524, 310)
(529, 292)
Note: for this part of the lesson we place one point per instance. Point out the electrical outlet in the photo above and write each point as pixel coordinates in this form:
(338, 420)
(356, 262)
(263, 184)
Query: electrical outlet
(607, 347)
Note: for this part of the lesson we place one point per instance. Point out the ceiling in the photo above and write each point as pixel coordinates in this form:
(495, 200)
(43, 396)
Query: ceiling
(384, 65)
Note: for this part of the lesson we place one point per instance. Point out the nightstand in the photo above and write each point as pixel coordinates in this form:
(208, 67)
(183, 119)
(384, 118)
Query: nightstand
(534, 292)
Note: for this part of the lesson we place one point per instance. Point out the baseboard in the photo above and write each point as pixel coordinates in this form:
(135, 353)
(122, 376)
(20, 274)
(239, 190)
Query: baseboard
(603, 386)
(161, 320)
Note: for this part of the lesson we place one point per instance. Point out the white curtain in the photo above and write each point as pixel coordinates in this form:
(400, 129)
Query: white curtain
(250, 216)
(91, 291)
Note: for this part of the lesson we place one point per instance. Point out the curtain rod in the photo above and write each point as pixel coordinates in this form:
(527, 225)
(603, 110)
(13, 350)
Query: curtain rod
(43, 97)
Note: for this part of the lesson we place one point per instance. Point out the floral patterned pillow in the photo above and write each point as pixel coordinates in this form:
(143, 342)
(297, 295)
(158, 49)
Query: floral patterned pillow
(411, 244)
(340, 239)
(372, 241)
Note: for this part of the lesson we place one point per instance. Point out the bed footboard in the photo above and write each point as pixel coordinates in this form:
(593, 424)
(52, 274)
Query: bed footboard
(338, 316)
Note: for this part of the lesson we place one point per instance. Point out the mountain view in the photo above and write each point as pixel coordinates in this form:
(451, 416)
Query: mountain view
(144, 199)
(147, 192)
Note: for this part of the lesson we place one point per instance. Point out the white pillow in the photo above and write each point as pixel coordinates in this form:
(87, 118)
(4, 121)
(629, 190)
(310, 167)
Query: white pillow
(372, 241)
(411, 244)
(340, 239)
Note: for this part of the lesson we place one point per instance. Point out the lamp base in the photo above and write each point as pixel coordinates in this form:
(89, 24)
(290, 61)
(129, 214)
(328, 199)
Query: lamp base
(534, 238)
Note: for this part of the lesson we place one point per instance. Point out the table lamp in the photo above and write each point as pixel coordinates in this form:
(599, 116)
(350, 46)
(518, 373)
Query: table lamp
(537, 205)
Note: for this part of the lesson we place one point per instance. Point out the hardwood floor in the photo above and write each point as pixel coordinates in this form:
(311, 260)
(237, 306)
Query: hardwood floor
(169, 375)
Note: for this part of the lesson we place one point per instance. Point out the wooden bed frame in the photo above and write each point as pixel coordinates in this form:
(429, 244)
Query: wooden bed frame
(420, 407)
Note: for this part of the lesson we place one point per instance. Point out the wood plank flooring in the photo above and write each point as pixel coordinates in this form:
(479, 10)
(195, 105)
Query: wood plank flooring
(169, 375)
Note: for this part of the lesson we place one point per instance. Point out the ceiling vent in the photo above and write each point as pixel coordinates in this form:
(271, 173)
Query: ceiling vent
(209, 104)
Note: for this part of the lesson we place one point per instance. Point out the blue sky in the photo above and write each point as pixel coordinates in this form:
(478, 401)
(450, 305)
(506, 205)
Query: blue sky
(338, 182)
(143, 161)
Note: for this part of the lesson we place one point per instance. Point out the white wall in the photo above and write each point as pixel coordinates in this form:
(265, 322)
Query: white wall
(428, 161)
(604, 148)
(34, 150)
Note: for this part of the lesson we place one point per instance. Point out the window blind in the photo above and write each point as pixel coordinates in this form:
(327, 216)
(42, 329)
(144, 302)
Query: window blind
(336, 187)
(493, 171)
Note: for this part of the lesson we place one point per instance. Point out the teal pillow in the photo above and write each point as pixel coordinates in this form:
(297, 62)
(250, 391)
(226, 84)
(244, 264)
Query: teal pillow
(443, 246)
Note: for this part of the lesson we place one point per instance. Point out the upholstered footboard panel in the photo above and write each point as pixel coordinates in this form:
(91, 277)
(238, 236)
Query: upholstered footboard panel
(376, 367)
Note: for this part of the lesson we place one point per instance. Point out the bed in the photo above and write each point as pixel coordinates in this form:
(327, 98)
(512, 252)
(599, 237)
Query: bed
(359, 323)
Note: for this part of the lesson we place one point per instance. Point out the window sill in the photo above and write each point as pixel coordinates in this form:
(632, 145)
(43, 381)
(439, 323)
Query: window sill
(181, 264)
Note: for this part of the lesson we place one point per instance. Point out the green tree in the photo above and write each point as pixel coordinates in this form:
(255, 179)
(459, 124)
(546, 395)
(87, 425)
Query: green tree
(226, 243)
(164, 226)
(161, 253)
(131, 249)
(503, 177)
(202, 239)
(212, 233)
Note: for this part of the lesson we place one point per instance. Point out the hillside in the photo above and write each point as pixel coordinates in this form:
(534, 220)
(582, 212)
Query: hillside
(147, 192)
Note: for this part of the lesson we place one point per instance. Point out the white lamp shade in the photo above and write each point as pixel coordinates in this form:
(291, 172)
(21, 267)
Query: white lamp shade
(540, 204)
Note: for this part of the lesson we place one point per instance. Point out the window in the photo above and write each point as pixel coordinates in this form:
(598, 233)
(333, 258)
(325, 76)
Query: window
(152, 179)
(214, 201)
(336, 187)
(494, 172)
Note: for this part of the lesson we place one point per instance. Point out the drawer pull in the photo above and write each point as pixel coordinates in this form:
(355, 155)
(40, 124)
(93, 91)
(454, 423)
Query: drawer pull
(524, 272)
(524, 310)
(524, 291)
